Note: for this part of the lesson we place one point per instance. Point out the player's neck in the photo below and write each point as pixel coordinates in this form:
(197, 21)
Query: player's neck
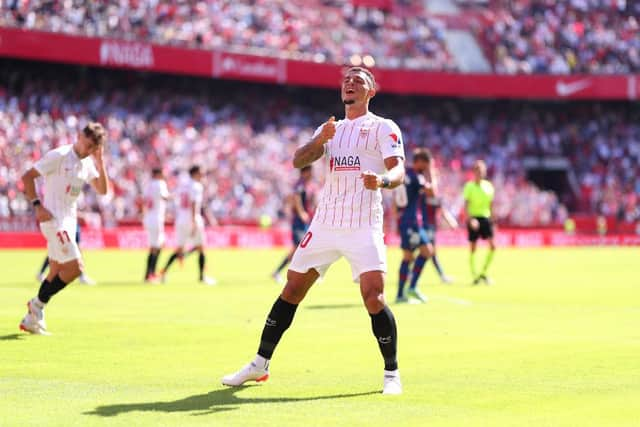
(352, 112)
(75, 150)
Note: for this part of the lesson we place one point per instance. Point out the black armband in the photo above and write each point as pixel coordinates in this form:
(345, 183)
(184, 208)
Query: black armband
(35, 203)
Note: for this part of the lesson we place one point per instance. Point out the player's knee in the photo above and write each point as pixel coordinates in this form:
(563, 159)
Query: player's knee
(292, 294)
(426, 251)
(374, 301)
(407, 256)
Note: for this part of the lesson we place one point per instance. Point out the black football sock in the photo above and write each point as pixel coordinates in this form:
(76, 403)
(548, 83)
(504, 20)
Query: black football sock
(278, 321)
(172, 258)
(149, 262)
(154, 261)
(49, 289)
(201, 263)
(384, 329)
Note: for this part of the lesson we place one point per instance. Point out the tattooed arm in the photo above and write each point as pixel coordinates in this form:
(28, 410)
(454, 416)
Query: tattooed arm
(313, 150)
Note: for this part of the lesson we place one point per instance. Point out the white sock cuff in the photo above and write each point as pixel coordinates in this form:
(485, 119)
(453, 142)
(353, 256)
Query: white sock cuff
(261, 362)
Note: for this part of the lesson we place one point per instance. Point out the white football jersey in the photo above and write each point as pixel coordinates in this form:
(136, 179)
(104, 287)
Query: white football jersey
(64, 175)
(155, 202)
(188, 193)
(359, 145)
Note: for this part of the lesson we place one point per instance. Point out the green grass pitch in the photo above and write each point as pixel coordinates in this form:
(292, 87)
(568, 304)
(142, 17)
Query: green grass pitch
(555, 342)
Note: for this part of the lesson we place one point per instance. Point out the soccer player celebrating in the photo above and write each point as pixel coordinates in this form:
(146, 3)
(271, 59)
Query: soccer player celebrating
(155, 206)
(478, 196)
(65, 170)
(430, 206)
(413, 236)
(348, 222)
(189, 225)
(302, 206)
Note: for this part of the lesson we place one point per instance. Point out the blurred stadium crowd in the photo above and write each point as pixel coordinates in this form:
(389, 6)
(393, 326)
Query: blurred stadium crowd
(244, 136)
(519, 36)
(562, 37)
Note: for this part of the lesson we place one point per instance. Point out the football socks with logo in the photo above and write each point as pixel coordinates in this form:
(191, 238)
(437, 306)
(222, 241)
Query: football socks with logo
(417, 270)
(49, 289)
(278, 321)
(384, 329)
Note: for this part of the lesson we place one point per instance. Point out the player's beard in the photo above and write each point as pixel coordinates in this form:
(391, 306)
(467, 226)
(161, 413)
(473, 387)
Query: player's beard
(349, 101)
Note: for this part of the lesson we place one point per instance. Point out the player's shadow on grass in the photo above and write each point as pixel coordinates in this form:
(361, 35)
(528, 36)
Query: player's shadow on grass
(12, 337)
(210, 403)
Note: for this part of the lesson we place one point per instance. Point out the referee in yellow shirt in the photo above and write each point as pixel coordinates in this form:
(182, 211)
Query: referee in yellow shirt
(478, 196)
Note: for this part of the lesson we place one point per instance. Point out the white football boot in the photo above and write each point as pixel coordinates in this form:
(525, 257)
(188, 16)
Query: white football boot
(33, 321)
(392, 384)
(209, 281)
(250, 372)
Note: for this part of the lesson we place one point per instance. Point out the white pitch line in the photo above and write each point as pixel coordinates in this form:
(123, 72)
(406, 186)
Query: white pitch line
(452, 300)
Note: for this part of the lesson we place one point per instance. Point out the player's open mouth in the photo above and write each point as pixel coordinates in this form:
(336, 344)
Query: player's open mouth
(350, 91)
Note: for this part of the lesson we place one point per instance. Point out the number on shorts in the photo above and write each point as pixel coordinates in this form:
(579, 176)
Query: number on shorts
(62, 235)
(305, 240)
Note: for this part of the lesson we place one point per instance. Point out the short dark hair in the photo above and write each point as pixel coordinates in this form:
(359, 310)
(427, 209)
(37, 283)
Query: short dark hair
(422, 153)
(367, 72)
(156, 171)
(194, 170)
(95, 132)
(306, 168)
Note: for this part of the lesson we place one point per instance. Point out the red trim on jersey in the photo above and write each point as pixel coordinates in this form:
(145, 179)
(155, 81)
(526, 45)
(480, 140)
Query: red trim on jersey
(366, 146)
(370, 207)
(343, 200)
(350, 133)
(343, 128)
(353, 196)
(361, 200)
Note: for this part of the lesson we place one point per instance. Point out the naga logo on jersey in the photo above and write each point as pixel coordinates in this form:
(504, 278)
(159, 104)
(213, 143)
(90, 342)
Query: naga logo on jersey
(344, 163)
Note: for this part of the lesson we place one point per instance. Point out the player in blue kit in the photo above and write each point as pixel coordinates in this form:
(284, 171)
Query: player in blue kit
(303, 202)
(430, 206)
(412, 234)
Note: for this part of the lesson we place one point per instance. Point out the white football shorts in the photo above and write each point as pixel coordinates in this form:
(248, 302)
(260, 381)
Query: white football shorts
(61, 240)
(363, 248)
(186, 234)
(155, 235)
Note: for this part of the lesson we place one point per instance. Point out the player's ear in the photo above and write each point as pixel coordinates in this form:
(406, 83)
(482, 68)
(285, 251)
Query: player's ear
(372, 92)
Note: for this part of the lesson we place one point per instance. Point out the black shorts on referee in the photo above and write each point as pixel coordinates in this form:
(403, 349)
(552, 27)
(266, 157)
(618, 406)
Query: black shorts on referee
(485, 231)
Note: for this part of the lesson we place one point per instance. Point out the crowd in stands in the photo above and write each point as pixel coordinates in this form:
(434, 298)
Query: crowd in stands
(521, 36)
(244, 136)
(564, 37)
(314, 30)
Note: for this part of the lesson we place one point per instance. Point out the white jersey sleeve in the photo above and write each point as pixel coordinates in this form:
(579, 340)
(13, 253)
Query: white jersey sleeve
(90, 168)
(390, 139)
(49, 163)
